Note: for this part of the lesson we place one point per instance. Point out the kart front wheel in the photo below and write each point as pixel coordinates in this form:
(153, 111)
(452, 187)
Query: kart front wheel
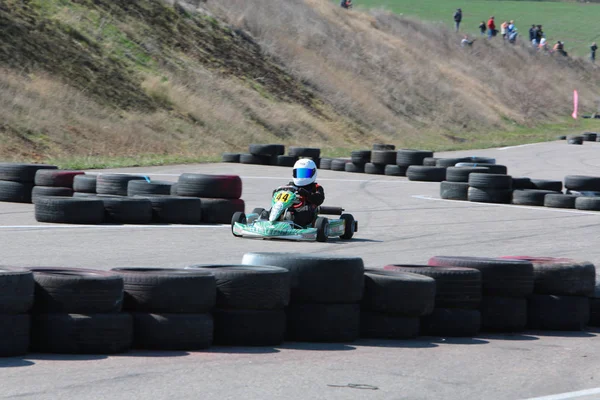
(237, 217)
(349, 226)
(322, 225)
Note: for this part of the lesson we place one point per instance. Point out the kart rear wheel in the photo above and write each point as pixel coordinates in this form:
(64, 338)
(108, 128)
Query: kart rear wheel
(237, 217)
(349, 226)
(322, 225)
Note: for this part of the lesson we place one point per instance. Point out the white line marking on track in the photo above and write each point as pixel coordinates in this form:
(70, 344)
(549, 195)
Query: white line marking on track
(520, 145)
(568, 395)
(41, 227)
(540, 208)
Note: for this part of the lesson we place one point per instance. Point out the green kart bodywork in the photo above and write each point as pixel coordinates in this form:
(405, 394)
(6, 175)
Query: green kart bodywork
(280, 224)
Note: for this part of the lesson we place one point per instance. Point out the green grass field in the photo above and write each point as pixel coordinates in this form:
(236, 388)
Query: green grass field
(577, 24)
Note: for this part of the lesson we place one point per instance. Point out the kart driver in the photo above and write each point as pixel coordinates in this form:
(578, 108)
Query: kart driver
(312, 194)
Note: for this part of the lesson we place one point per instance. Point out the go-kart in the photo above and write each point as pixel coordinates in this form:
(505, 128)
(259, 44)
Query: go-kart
(279, 222)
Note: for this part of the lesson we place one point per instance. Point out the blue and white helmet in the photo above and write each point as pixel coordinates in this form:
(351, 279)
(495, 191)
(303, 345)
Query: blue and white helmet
(305, 172)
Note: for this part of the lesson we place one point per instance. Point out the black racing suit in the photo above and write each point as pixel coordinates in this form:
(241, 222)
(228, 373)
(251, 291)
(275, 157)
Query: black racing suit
(306, 214)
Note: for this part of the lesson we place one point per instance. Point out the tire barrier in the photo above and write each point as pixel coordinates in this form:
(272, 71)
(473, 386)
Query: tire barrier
(85, 183)
(114, 184)
(16, 299)
(425, 173)
(17, 181)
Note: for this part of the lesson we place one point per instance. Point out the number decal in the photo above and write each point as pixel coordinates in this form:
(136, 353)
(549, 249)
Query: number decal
(282, 197)
(286, 197)
(278, 196)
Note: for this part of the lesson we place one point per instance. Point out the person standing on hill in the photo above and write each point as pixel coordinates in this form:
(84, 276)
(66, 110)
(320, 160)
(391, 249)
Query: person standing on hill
(491, 27)
(503, 29)
(532, 34)
(482, 28)
(346, 4)
(593, 49)
(457, 18)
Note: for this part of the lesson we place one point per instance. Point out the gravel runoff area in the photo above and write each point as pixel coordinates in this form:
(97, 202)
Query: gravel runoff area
(399, 222)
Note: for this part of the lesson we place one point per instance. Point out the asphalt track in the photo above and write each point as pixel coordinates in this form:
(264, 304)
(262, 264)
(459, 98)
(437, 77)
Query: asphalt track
(399, 222)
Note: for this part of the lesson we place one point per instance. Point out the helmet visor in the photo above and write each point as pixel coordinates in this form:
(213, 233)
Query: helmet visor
(304, 173)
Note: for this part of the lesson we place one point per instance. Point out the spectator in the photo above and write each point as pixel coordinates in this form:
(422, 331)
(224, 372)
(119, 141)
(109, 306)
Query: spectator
(466, 42)
(532, 33)
(491, 27)
(511, 27)
(543, 46)
(512, 36)
(457, 18)
(559, 48)
(503, 27)
(482, 28)
(593, 49)
(539, 34)
(346, 4)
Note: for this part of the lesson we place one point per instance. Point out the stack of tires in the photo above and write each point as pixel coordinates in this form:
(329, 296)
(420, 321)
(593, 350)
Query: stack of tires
(17, 181)
(457, 300)
(575, 139)
(489, 188)
(589, 136)
(171, 308)
(358, 160)
(456, 185)
(16, 299)
(69, 210)
(561, 293)
(505, 285)
(587, 190)
(84, 185)
(53, 182)
(406, 158)
(339, 164)
(393, 303)
(251, 301)
(325, 295)
(295, 153)
(78, 311)
(217, 197)
(262, 154)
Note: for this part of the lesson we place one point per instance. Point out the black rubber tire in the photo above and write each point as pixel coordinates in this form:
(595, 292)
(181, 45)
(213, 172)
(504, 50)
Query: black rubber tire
(85, 183)
(210, 186)
(589, 136)
(81, 334)
(558, 313)
(385, 157)
(326, 163)
(21, 172)
(587, 203)
(399, 293)
(69, 210)
(126, 210)
(171, 332)
(451, 162)
(115, 184)
(451, 322)
(249, 287)
(561, 276)
(503, 314)
(582, 183)
(56, 177)
(530, 197)
(220, 211)
(573, 139)
(339, 164)
(461, 174)
(327, 210)
(307, 152)
(375, 325)
(76, 291)
(349, 226)
(230, 158)
(594, 312)
(522, 183)
(249, 327)
(317, 278)
(429, 161)
(545, 184)
(286, 161)
(502, 196)
(14, 334)
(455, 287)
(426, 174)
(558, 200)
(323, 322)
(45, 191)
(406, 157)
(172, 291)
(561, 137)
(175, 209)
(266, 149)
(490, 181)
(239, 217)
(492, 168)
(499, 277)
(383, 146)
(360, 156)
(395, 170)
(375, 169)
(89, 195)
(258, 160)
(15, 192)
(149, 188)
(354, 167)
(16, 296)
(322, 225)
(454, 190)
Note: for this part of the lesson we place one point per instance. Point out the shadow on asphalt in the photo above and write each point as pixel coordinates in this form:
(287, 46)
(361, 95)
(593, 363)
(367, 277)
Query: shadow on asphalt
(391, 343)
(15, 363)
(241, 350)
(508, 336)
(153, 353)
(568, 334)
(456, 340)
(316, 346)
(354, 240)
(65, 357)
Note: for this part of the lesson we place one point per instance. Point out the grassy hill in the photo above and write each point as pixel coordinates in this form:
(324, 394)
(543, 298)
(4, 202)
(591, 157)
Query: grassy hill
(575, 23)
(119, 82)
